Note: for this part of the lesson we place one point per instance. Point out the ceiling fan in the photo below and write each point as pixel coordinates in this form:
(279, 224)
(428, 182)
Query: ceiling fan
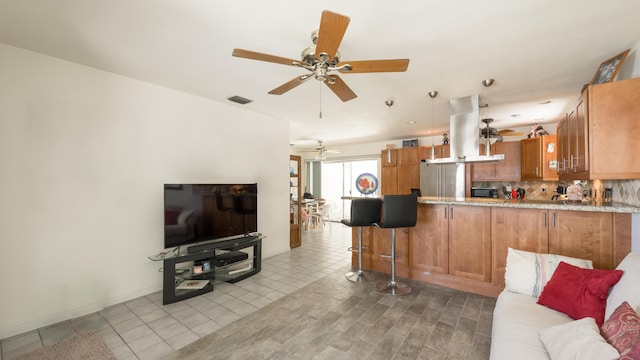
(489, 132)
(321, 150)
(322, 59)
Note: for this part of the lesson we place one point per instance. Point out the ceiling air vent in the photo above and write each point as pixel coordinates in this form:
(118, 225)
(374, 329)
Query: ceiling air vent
(239, 99)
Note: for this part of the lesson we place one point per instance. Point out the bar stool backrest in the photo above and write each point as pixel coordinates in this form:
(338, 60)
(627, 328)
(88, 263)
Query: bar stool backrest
(364, 212)
(399, 211)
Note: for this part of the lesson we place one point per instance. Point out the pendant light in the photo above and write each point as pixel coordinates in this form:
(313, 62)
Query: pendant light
(488, 139)
(432, 95)
(389, 103)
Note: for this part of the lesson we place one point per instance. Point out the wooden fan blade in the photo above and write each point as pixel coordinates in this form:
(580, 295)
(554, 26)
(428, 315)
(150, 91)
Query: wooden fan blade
(367, 66)
(332, 29)
(341, 89)
(511, 133)
(288, 85)
(248, 54)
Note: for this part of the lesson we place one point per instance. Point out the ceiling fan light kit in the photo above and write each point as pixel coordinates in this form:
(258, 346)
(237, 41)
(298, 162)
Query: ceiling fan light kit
(322, 59)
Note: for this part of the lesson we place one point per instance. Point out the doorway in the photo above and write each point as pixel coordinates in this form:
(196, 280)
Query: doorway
(331, 180)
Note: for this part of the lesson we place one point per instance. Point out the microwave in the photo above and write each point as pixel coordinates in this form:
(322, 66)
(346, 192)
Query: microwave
(484, 192)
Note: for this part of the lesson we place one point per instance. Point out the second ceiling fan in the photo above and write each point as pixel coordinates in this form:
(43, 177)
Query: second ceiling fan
(322, 59)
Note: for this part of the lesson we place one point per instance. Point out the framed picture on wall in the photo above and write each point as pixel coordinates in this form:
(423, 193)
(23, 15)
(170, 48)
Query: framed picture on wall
(410, 143)
(609, 69)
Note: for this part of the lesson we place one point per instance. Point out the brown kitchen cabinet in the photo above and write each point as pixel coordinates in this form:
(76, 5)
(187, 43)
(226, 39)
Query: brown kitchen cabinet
(385, 157)
(408, 156)
(599, 134)
(429, 240)
(440, 151)
(522, 229)
(468, 250)
(402, 174)
(504, 170)
(389, 180)
(408, 178)
(470, 242)
(538, 158)
(584, 235)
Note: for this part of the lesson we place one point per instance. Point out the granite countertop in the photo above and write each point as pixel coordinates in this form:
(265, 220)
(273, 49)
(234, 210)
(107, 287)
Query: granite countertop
(533, 204)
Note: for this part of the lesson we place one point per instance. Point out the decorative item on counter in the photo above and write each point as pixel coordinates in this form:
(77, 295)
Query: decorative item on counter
(506, 190)
(445, 139)
(517, 194)
(607, 195)
(537, 130)
(574, 193)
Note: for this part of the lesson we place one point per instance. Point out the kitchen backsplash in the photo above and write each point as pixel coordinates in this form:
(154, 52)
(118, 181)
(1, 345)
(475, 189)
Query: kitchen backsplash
(624, 191)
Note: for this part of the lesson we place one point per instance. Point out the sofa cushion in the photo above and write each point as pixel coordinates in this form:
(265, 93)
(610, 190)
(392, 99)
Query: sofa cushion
(517, 319)
(579, 339)
(627, 288)
(527, 272)
(622, 330)
(579, 292)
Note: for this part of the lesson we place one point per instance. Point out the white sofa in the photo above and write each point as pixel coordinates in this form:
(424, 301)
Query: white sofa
(518, 319)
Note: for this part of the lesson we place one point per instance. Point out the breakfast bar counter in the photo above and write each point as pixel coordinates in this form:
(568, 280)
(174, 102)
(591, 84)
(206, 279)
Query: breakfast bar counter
(597, 206)
(463, 243)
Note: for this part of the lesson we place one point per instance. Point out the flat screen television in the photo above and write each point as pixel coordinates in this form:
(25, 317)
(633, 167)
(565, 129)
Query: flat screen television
(195, 213)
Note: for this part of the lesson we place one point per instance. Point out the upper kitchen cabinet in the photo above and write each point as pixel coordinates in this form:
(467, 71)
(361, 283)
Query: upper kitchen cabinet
(409, 156)
(599, 136)
(389, 160)
(440, 151)
(504, 170)
(539, 158)
(403, 172)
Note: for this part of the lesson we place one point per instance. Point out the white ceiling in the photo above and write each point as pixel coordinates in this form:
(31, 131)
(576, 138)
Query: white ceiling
(536, 50)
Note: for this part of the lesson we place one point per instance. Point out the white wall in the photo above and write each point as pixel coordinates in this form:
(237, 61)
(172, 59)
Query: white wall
(631, 67)
(84, 155)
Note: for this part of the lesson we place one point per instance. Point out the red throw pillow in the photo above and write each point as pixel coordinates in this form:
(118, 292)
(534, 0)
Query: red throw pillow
(579, 292)
(622, 330)
(171, 217)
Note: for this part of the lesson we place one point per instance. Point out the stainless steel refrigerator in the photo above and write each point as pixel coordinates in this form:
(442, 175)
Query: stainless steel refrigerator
(442, 180)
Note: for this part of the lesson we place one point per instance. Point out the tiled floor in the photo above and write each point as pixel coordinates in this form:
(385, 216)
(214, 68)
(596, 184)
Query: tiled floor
(145, 329)
(280, 317)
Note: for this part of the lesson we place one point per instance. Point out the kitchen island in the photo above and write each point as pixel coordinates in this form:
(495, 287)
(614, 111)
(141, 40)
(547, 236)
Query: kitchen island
(462, 243)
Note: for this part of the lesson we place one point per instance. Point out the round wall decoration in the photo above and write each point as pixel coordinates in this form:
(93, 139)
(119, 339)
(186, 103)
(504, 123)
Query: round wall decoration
(367, 183)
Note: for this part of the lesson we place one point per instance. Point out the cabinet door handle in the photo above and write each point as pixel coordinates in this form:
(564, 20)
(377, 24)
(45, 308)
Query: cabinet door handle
(571, 162)
(451, 211)
(545, 219)
(553, 219)
(537, 173)
(445, 213)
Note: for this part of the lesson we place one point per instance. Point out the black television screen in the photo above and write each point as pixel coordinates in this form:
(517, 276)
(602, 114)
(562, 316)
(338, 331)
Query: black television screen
(195, 213)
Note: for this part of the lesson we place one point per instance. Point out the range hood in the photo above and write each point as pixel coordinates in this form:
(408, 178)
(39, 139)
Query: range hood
(464, 139)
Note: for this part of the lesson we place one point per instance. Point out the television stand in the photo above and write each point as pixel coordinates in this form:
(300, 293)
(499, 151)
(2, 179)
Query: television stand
(185, 265)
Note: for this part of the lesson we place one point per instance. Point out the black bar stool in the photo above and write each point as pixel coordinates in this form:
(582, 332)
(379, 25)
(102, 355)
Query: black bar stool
(364, 212)
(398, 211)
